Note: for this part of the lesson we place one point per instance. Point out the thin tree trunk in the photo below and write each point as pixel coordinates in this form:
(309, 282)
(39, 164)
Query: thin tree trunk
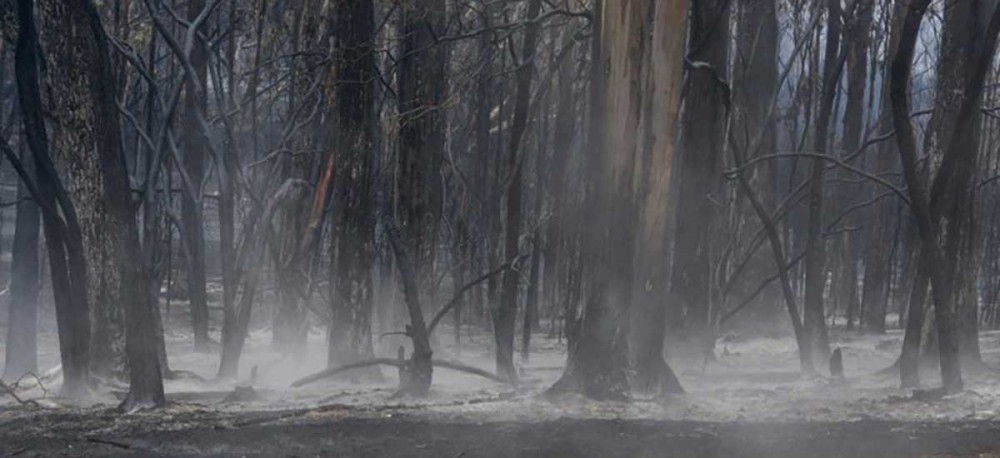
(22, 333)
(816, 269)
(422, 83)
(507, 312)
(192, 210)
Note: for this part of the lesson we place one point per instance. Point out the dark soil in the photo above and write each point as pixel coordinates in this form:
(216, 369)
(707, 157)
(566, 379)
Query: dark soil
(301, 434)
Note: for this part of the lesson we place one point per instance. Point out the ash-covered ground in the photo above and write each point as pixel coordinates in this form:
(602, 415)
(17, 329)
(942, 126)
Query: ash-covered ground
(749, 400)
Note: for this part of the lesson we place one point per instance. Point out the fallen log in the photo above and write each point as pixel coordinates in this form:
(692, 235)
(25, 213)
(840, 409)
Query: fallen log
(327, 373)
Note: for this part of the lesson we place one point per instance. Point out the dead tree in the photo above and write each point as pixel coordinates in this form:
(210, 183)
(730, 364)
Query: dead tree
(421, 87)
(195, 148)
(652, 185)
(504, 317)
(597, 366)
(857, 42)
(72, 135)
(816, 269)
(60, 224)
(703, 121)
(22, 332)
(354, 101)
(951, 184)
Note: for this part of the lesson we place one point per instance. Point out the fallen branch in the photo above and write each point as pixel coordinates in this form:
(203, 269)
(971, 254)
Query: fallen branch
(8, 390)
(113, 443)
(17, 384)
(327, 373)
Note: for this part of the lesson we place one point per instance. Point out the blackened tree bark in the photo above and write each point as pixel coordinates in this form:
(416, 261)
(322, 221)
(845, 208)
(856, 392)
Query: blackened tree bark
(951, 184)
(145, 380)
(68, 268)
(961, 41)
(857, 42)
(755, 79)
(422, 85)
(556, 229)
(350, 328)
(72, 134)
(909, 360)
(192, 208)
(506, 313)
(702, 137)
(754, 83)
(874, 291)
(229, 194)
(816, 272)
(531, 306)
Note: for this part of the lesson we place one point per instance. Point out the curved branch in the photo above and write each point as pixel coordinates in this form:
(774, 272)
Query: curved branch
(455, 301)
(899, 192)
(327, 373)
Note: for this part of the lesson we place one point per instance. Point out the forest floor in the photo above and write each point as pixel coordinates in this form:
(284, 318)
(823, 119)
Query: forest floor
(748, 401)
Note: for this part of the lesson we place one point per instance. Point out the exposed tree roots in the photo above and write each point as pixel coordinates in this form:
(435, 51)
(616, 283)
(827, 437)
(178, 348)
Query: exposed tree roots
(396, 363)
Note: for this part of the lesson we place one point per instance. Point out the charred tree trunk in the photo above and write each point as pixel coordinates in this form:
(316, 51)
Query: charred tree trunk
(422, 85)
(145, 380)
(874, 290)
(857, 43)
(73, 135)
(192, 208)
(951, 184)
(702, 138)
(350, 328)
(962, 41)
(22, 332)
(597, 365)
(506, 314)
(68, 268)
(554, 256)
(909, 360)
(816, 271)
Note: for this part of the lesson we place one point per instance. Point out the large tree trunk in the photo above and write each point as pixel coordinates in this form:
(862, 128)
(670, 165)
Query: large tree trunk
(68, 268)
(81, 74)
(350, 328)
(145, 380)
(651, 244)
(597, 365)
(702, 137)
(961, 43)
(73, 133)
(422, 86)
(951, 184)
